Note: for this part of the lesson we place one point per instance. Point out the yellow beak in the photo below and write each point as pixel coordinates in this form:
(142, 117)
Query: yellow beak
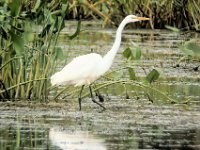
(142, 18)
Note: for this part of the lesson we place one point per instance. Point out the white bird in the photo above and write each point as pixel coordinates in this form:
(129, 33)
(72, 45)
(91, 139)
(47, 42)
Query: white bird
(85, 69)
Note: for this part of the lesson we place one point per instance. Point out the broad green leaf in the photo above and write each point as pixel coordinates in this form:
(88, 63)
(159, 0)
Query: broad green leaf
(28, 37)
(136, 52)
(15, 7)
(127, 53)
(105, 8)
(18, 43)
(152, 76)
(64, 9)
(52, 19)
(186, 51)
(59, 54)
(2, 17)
(191, 48)
(133, 53)
(131, 73)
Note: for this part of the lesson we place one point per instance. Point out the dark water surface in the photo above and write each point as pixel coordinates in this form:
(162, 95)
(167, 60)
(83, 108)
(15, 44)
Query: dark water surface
(134, 123)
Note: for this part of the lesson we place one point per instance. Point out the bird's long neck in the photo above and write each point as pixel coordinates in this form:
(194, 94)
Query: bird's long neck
(109, 57)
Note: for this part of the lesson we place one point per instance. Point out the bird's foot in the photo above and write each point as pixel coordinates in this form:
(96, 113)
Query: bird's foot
(101, 98)
(99, 105)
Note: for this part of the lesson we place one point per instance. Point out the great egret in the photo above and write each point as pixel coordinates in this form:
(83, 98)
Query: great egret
(85, 69)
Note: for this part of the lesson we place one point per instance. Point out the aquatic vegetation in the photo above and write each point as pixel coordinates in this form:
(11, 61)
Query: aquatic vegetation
(181, 14)
(191, 48)
(191, 52)
(29, 33)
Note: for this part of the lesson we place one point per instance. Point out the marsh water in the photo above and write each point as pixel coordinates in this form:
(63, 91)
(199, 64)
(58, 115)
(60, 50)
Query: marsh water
(132, 122)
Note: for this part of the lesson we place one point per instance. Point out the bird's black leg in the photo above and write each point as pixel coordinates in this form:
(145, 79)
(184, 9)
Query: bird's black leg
(98, 94)
(93, 99)
(79, 98)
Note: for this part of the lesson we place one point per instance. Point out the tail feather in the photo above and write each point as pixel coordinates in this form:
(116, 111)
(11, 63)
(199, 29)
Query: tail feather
(56, 79)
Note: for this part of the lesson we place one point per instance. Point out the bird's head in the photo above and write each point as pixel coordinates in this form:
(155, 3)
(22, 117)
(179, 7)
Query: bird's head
(133, 18)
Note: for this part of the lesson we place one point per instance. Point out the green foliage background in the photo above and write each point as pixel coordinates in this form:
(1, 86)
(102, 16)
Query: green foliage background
(178, 13)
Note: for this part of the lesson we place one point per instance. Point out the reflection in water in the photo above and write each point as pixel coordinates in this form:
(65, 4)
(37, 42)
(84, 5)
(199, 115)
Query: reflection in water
(75, 140)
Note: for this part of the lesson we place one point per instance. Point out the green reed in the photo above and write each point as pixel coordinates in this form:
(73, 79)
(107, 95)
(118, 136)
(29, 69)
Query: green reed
(28, 53)
(178, 13)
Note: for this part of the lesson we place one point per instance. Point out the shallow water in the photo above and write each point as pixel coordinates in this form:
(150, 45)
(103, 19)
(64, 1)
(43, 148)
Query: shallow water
(134, 123)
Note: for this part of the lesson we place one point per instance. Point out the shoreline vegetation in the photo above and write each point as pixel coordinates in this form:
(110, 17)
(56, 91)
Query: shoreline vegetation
(28, 59)
(182, 14)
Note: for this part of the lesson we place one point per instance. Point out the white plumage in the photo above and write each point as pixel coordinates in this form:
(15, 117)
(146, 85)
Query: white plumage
(84, 70)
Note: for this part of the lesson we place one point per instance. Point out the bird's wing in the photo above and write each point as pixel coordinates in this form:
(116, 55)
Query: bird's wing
(81, 67)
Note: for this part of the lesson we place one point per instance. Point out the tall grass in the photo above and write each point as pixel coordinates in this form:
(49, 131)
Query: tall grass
(178, 13)
(27, 56)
